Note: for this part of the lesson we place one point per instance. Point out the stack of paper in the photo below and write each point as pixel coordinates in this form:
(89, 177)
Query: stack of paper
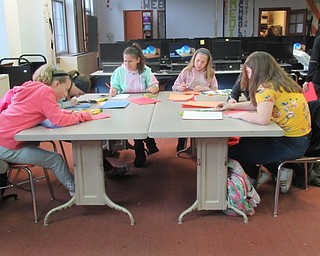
(199, 115)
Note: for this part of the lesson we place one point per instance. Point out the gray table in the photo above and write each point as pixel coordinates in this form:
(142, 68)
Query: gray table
(130, 123)
(211, 138)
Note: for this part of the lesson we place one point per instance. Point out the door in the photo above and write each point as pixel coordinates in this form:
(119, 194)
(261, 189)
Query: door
(132, 25)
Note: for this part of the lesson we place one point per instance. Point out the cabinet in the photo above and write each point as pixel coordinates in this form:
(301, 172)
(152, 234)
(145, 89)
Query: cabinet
(138, 24)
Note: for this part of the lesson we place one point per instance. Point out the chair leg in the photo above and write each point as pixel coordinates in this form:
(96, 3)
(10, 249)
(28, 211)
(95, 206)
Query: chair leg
(306, 175)
(46, 174)
(63, 151)
(33, 194)
(277, 192)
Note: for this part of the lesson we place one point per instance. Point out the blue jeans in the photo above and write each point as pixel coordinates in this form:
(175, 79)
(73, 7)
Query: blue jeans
(269, 151)
(32, 154)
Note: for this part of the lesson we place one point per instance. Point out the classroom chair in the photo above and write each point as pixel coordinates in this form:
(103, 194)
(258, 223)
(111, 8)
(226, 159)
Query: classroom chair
(14, 182)
(303, 160)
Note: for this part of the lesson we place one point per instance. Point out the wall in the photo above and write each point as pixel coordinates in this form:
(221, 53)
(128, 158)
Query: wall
(26, 35)
(185, 18)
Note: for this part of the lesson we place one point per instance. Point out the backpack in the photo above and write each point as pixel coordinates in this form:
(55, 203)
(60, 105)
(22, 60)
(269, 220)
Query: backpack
(314, 175)
(242, 198)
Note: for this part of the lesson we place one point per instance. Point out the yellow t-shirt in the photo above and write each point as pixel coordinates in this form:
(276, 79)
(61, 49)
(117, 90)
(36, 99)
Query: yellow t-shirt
(290, 110)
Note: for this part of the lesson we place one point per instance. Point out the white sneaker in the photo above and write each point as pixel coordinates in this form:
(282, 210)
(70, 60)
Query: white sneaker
(263, 178)
(285, 179)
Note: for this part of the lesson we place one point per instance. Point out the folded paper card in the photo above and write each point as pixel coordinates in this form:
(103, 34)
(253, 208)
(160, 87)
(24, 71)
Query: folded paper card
(199, 115)
(144, 101)
(115, 104)
(200, 104)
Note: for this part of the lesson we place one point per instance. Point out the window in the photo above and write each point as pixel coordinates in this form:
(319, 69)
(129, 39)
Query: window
(297, 22)
(59, 22)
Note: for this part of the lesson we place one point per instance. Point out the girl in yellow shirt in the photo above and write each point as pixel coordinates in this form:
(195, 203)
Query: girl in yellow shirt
(274, 97)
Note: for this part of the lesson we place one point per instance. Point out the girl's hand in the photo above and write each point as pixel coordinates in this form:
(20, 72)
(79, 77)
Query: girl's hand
(153, 89)
(232, 101)
(112, 91)
(222, 106)
(305, 87)
(184, 87)
(74, 102)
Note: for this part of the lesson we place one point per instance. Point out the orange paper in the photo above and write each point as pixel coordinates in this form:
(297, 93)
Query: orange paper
(180, 97)
(200, 104)
(191, 93)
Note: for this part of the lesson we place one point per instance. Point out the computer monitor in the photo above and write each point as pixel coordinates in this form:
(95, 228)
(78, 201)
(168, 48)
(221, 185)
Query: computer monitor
(151, 51)
(257, 46)
(112, 52)
(181, 51)
(281, 51)
(225, 49)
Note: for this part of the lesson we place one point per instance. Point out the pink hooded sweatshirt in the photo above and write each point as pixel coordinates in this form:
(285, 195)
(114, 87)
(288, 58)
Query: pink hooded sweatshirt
(27, 106)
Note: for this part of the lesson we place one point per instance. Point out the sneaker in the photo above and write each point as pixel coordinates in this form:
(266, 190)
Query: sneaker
(262, 178)
(285, 179)
(117, 171)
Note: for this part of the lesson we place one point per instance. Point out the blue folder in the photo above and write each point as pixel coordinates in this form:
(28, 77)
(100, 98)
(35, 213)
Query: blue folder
(115, 104)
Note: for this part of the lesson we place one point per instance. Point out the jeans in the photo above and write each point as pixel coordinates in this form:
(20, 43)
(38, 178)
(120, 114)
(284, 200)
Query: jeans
(269, 151)
(32, 154)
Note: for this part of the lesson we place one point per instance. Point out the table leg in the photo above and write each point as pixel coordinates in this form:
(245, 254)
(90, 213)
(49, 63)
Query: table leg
(212, 155)
(89, 178)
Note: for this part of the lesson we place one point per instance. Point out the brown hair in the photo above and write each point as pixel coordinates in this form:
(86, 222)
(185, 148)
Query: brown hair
(266, 72)
(136, 52)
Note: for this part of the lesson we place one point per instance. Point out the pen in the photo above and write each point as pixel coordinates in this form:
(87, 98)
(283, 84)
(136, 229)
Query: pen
(108, 85)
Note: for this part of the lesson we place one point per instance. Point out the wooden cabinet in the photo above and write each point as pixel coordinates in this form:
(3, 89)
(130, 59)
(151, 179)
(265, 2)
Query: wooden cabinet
(138, 24)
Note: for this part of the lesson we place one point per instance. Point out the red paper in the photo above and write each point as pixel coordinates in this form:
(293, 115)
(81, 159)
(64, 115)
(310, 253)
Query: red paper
(311, 94)
(144, 101)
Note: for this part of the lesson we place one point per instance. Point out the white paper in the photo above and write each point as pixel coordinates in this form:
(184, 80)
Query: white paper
(92, 96)
(199, 115)
(121, 96)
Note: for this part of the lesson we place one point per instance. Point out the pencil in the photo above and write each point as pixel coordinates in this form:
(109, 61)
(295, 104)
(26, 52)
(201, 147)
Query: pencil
(108, 85)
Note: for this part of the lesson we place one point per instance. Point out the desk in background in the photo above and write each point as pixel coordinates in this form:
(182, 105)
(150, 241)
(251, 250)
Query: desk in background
(86, 141)
(226, 79)
(212, 146)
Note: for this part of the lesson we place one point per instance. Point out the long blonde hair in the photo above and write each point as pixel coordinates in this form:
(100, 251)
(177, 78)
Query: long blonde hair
(267, 72)
(209, 67)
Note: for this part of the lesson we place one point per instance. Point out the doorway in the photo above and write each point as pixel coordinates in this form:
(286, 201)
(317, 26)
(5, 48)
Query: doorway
(273, 22)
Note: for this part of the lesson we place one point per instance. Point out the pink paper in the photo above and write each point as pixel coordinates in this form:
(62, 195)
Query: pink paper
(100, 116)
(311, 94)
(144, 101)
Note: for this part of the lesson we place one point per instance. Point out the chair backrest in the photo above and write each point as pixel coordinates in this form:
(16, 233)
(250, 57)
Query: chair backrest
(18, 74)
(314, 147)
(35, 60)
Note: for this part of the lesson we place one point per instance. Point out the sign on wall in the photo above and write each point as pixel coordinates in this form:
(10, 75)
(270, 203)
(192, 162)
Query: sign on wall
(153, 4)
(238, 18)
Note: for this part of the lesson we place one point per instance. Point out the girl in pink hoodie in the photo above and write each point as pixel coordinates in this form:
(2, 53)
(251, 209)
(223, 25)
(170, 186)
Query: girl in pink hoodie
(27, 106)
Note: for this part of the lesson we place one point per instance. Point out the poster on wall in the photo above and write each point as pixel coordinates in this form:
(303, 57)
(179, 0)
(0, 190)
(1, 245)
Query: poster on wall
(238, 18)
